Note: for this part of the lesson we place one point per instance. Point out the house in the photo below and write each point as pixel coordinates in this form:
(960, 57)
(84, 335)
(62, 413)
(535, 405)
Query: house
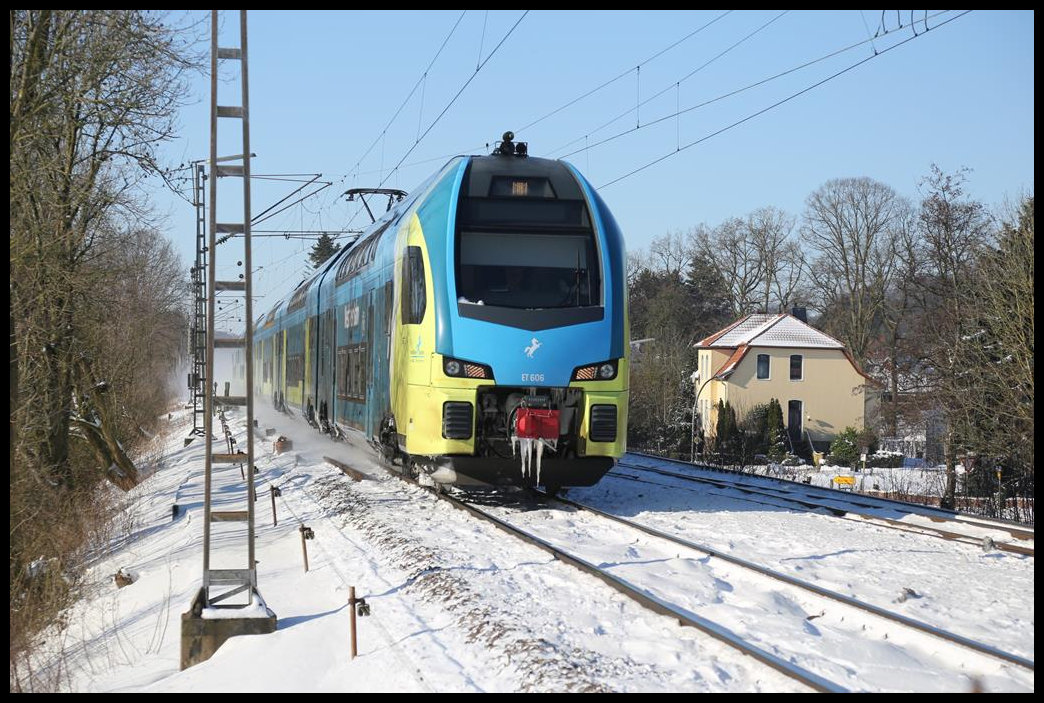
(818, 384)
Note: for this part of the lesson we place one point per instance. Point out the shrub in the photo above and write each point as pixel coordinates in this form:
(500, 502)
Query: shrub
(844, 450)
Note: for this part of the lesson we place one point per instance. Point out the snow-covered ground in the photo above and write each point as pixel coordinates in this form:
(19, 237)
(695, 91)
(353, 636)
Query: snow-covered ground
(920, 484)
(922, 481)
(457, 606)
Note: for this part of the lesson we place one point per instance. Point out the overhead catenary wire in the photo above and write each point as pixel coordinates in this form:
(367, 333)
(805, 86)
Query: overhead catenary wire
(774, 105)
(570, 103)
(420, 82)
(732, 93)
(626, 73)
(676, 84)
(456, 97)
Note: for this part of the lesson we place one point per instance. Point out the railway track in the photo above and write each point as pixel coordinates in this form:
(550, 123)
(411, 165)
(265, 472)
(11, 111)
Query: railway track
(652, 602)
(862, 508)
(789, 658)
(532, 622)
(826, 593)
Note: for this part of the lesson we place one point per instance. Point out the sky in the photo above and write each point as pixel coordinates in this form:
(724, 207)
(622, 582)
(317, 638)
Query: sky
(458, 606)
(677, 117)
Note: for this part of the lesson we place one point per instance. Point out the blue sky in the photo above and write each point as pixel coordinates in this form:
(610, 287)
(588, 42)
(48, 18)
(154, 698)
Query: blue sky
(325, 88)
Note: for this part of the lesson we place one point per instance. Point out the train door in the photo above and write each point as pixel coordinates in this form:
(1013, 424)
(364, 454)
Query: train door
(278, 374)
(389, 300)
(328, 394)
(411, 370)
(372, 405)
(310, 368)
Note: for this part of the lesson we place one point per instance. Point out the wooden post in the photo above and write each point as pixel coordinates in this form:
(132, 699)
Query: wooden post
(275, 492)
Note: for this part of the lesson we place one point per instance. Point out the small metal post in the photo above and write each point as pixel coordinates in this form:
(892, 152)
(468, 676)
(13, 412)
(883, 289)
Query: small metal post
(351, 607)
(357, 606)
(227, 384)
(275, 492)
(306, 533)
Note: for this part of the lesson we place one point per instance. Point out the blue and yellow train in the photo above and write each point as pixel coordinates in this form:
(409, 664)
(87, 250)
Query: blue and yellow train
(476, 333)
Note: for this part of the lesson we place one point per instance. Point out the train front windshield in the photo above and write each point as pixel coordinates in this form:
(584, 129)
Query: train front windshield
(528, 270)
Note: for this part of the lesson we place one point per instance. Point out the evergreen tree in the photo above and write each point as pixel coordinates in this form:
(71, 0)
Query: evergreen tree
(777, 437)
(755, 426)
(323, 249)
(709, 304)
(727, 434)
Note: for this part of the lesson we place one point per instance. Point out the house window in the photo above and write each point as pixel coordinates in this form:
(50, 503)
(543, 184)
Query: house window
(763, 365)
(795, 367)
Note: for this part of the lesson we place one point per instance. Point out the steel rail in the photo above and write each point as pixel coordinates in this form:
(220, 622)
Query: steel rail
(809, 502)
(818, 590)
(722, 634)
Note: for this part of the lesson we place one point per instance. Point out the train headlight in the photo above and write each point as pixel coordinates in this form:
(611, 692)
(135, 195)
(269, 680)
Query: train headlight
(602, 371)
(465, 369)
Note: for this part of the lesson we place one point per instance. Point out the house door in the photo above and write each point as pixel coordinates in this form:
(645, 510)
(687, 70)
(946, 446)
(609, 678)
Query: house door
(794, 422)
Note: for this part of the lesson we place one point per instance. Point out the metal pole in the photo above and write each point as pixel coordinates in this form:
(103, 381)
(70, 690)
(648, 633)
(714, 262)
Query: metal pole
(351, 607)
(692, 436)
(208, 405)
(274, 521)
(248, 302)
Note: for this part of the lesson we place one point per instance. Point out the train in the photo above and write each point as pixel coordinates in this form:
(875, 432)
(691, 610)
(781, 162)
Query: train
(475, 334)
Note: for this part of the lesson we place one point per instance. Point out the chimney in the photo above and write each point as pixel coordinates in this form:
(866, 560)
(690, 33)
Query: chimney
(799, 313)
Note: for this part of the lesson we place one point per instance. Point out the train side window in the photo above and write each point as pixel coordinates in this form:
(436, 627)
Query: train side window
(414, 297)
(342, 372)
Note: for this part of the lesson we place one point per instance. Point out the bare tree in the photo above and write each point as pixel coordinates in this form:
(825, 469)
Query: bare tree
(900, 357)
(769, 230)
(1003, 355)
(851, 224)
(954, 231)
(93, 93)
(668, 254)
(134, 326)
(791, 281)
(635, 265)
(662, 393)
(735, 254)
